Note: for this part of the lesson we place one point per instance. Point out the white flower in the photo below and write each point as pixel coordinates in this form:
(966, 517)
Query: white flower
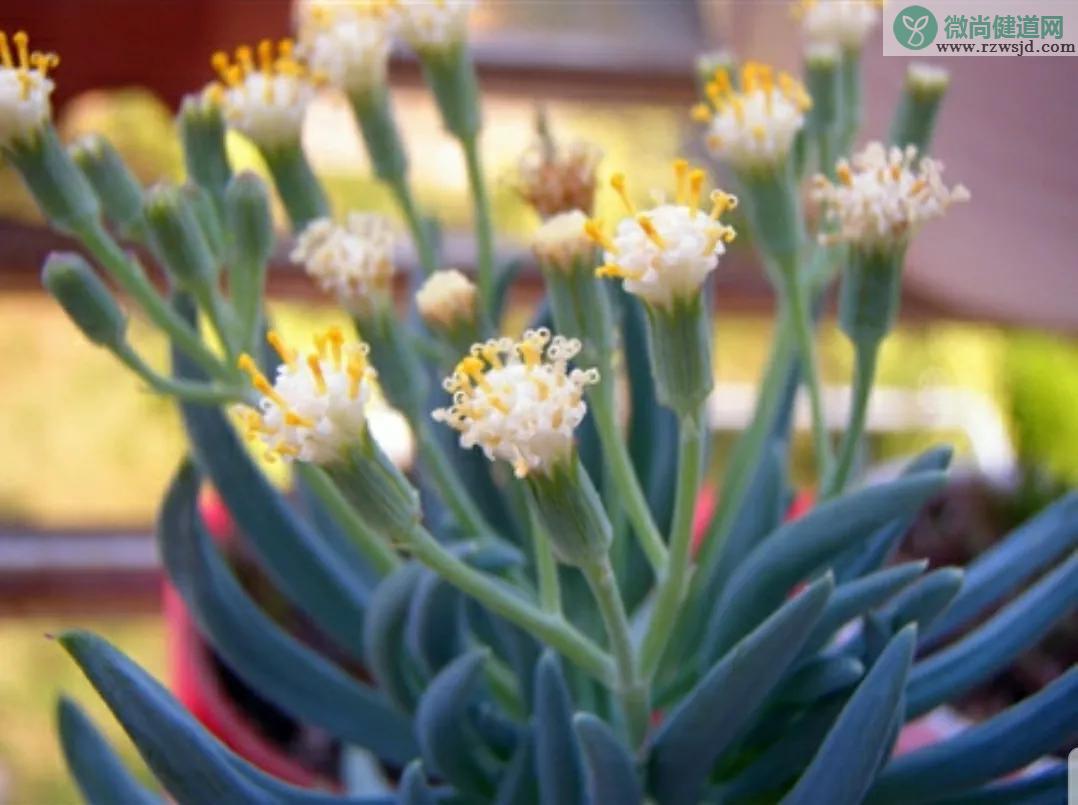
(354, 260)
(24, 89)
(927, 79)
(432, 25)
(843, 23)
(266, 100)
(562, 243)
(519, 401)
(755, 125)
(346, 42)
(316, 405)
(446, 299)
(665, 253)
(886, 194)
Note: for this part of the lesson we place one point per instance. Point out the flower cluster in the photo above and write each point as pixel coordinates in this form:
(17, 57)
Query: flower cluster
(753, 125)
(666, 252)
(447, 299)
(519, 401)
(347, 41)
(883, 195)
(316, 405)
(265, 93)
(354, 260)
(432, 25)
(837, 23)
(556, 179)
(25, 88)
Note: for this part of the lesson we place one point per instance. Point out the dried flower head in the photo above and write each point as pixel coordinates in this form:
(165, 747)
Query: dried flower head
(25, 88)
(447, 299)
(666, 252)
(883, 196)
(561, 242)
(265, 92)
(755, 124)
(432, 25)
(519, 401)
(354, 260)
(842, 23)
(554, 179)
(347, 41)
(315, 407)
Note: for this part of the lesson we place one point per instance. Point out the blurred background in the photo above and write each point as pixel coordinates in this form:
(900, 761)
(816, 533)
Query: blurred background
(986, 356)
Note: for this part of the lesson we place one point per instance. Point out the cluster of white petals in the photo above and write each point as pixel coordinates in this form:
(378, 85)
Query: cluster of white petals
(345, 41)
(354, 260)
(446, 298)
(754, 125)
(265, 93)
(25, 89)
(665, 253)
(519, 401)
(842, 23)
(883, 195)
(316, 406)
(561, 242)
(432, 25)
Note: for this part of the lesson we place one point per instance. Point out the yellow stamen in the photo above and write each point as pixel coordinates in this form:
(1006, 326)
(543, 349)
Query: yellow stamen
(336, 340)
(917, 186)
(287, 355)
(700, 113)
(297, 421)
(722, 80)
(651, 231)
(265, 56)
(220, 62)
(498, 403)
(473, 367)
(696, 187)
(356, 371)
(617, 181)
(593, 229)
(286, 449)
(5, 51)
(315, 365)
(541, 388)
(22, 46)
(520, 468)
(721, 203)
(530, 353)
(245, 59)
(320, 345)
(681, 173)
(842, 171)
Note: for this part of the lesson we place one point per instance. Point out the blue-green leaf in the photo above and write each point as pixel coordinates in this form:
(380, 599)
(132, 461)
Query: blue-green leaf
(986, 751)
(713, 714)
(821, 677)
(854, 598)
(847, 760)
(995, 643)
(450, 748)
(558, 762)
(516, 785)
(1048, 787)
(1002, 569)
(611, 771)
(100, 775)
(384, 633)
(273, 662)
(433, 632)
(413, 786)
(924, 600)
(799, 548)
(296, 558)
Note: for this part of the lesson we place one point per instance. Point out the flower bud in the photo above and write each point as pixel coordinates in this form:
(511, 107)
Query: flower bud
(824, 81)
(85, 298)
(916, 115)
(177, 237)
(571, 512)
(117, 189)
(202, 130)
(250, 223)
(208, 219)
(353, 259)
(447, 303)
(60, 189)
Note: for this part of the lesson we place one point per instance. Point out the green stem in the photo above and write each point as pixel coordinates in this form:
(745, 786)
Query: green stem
(553, 630)
(428, 260)
(864, 375)
(797, 310)
(546, 567)
(454, 493)
(616, 452)
(133, 280)
(484, 233)
(631, 689)
(370, 544)
(672, 586)
(187, 390)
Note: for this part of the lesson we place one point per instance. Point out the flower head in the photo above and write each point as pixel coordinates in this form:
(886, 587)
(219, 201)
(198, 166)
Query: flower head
(432, 25)
(315, 407)
(561, 242)
(354, 260)
(666, 252)
(842, 23)
(554, 179)
(883, 195)
(446, 299)
(347, 41)
(25, 88)
(754, 125)
(265, 94)
(519, 401)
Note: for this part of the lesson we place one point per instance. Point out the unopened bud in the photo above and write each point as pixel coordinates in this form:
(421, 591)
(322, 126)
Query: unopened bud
(58, 186)
(85, 298)
(117, 189)
(446, 301)
(250, 223)
(824, 84)
(918, 109)
(202, 130)
(177, 237)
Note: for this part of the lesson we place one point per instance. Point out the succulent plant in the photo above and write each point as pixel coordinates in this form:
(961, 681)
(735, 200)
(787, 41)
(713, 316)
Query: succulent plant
(534, 621)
